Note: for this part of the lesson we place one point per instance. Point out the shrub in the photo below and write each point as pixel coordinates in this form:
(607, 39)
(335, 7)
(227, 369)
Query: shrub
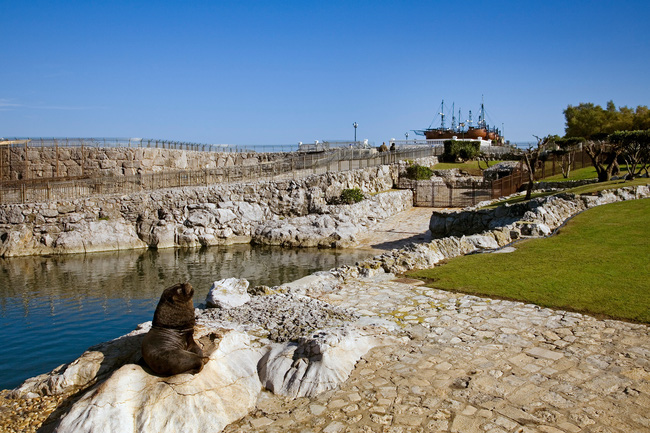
(351, 196)
(465, 150)
(418, 172)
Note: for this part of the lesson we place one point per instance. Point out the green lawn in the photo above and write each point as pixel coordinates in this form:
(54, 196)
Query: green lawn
(599, 264)
(580, 174)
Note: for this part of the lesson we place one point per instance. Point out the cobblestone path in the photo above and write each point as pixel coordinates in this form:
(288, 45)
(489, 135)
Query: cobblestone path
(476, 365)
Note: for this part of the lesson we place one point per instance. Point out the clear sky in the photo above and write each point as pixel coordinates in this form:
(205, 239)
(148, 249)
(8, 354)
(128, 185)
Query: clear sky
(279, 72)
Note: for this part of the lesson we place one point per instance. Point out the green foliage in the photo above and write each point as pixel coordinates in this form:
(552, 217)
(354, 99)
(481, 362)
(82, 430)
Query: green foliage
(351, 196)
(464, 150)
(418, 172)
(635, 149)
(594, 265)
(595, 122)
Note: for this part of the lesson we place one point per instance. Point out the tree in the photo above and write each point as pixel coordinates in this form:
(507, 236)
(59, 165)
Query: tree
(532, 156)
(635, 148)
(566, 150)
(593, 122)
(604, 157)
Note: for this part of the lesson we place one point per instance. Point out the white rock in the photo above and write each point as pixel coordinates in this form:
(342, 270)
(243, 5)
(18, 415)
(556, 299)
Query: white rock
(314, 365)
(228, 293)
(132, 400)
(224, 215)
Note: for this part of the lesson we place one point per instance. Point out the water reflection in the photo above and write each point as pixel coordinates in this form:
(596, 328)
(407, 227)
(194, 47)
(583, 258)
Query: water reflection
(53, 308)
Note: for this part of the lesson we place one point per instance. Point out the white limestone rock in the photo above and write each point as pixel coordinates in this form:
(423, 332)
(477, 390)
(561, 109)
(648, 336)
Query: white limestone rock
(228, 293)
(94, 364)
(482, 242)
(103, 235)
(132, 400)
(315, 364)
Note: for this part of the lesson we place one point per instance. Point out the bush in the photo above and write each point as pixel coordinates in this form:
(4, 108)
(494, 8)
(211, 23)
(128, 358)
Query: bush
(351, 196)
(418, 172)
(465, 150)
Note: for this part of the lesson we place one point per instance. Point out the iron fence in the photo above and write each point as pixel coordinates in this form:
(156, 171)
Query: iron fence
(451, 193)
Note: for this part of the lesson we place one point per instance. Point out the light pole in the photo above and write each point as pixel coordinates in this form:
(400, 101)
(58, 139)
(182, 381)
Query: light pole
(355, 124)
(406, 134)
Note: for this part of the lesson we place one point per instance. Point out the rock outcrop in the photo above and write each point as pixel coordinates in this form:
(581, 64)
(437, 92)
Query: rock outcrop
(228, 293)
(337, 226)
(133, 400)
(314, 364)
(290, 344)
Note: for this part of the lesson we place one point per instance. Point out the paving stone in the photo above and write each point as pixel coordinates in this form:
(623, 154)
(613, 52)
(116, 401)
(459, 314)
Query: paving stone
(529, 370)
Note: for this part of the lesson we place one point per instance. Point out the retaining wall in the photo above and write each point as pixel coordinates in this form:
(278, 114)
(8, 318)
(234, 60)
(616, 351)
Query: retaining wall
(178, 217)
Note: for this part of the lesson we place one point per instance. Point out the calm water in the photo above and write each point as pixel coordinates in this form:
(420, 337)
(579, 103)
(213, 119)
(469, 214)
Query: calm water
(53, 308)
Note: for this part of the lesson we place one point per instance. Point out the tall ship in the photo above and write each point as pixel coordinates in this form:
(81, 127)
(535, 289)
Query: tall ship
(461, 129)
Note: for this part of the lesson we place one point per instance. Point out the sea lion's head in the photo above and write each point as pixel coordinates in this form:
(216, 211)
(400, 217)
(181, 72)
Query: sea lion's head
(178, 293)
(175, 308)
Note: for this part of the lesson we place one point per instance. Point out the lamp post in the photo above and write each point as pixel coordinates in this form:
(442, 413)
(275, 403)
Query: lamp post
(406, 134)
(355, 124)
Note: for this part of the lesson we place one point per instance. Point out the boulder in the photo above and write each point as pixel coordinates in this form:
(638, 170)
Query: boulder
(228, 293)
(316, 363)
(133, 400)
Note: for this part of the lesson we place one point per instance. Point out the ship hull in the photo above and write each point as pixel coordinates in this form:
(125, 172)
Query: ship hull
(441, 134)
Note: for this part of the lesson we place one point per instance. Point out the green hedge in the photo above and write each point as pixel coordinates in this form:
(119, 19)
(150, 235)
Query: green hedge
(418, 172)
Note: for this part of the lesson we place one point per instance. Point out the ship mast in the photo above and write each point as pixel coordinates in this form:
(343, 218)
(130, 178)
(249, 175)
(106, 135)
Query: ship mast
(442, 114)
(453, 117)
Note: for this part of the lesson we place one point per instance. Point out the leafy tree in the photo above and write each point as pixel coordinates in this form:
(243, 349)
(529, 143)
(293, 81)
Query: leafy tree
(604, 157)
(595, 122)
(566, 150)
(635, 147)
(458, 149)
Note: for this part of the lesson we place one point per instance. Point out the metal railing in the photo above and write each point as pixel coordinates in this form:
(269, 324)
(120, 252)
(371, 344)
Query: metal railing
(42, 142)
(295, 165)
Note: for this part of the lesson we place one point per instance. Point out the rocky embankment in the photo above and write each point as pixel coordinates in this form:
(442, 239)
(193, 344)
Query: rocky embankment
(280, 339)
(286, 212)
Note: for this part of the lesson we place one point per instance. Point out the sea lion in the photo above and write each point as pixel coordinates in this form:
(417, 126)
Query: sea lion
(169, 347)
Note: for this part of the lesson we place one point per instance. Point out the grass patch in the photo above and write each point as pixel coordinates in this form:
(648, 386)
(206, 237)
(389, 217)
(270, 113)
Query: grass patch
(597, 264)
(470, 167)
(580, 174)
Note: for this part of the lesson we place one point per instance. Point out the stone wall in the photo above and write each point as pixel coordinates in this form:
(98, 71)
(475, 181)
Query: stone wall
(538, 215)
(179, 217)
(47, 162)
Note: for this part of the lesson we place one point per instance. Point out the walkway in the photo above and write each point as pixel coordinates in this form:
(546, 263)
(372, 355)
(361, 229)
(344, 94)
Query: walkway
(412, 225)
(475, 365)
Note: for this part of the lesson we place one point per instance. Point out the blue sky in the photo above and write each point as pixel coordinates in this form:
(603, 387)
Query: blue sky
(279, 72)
